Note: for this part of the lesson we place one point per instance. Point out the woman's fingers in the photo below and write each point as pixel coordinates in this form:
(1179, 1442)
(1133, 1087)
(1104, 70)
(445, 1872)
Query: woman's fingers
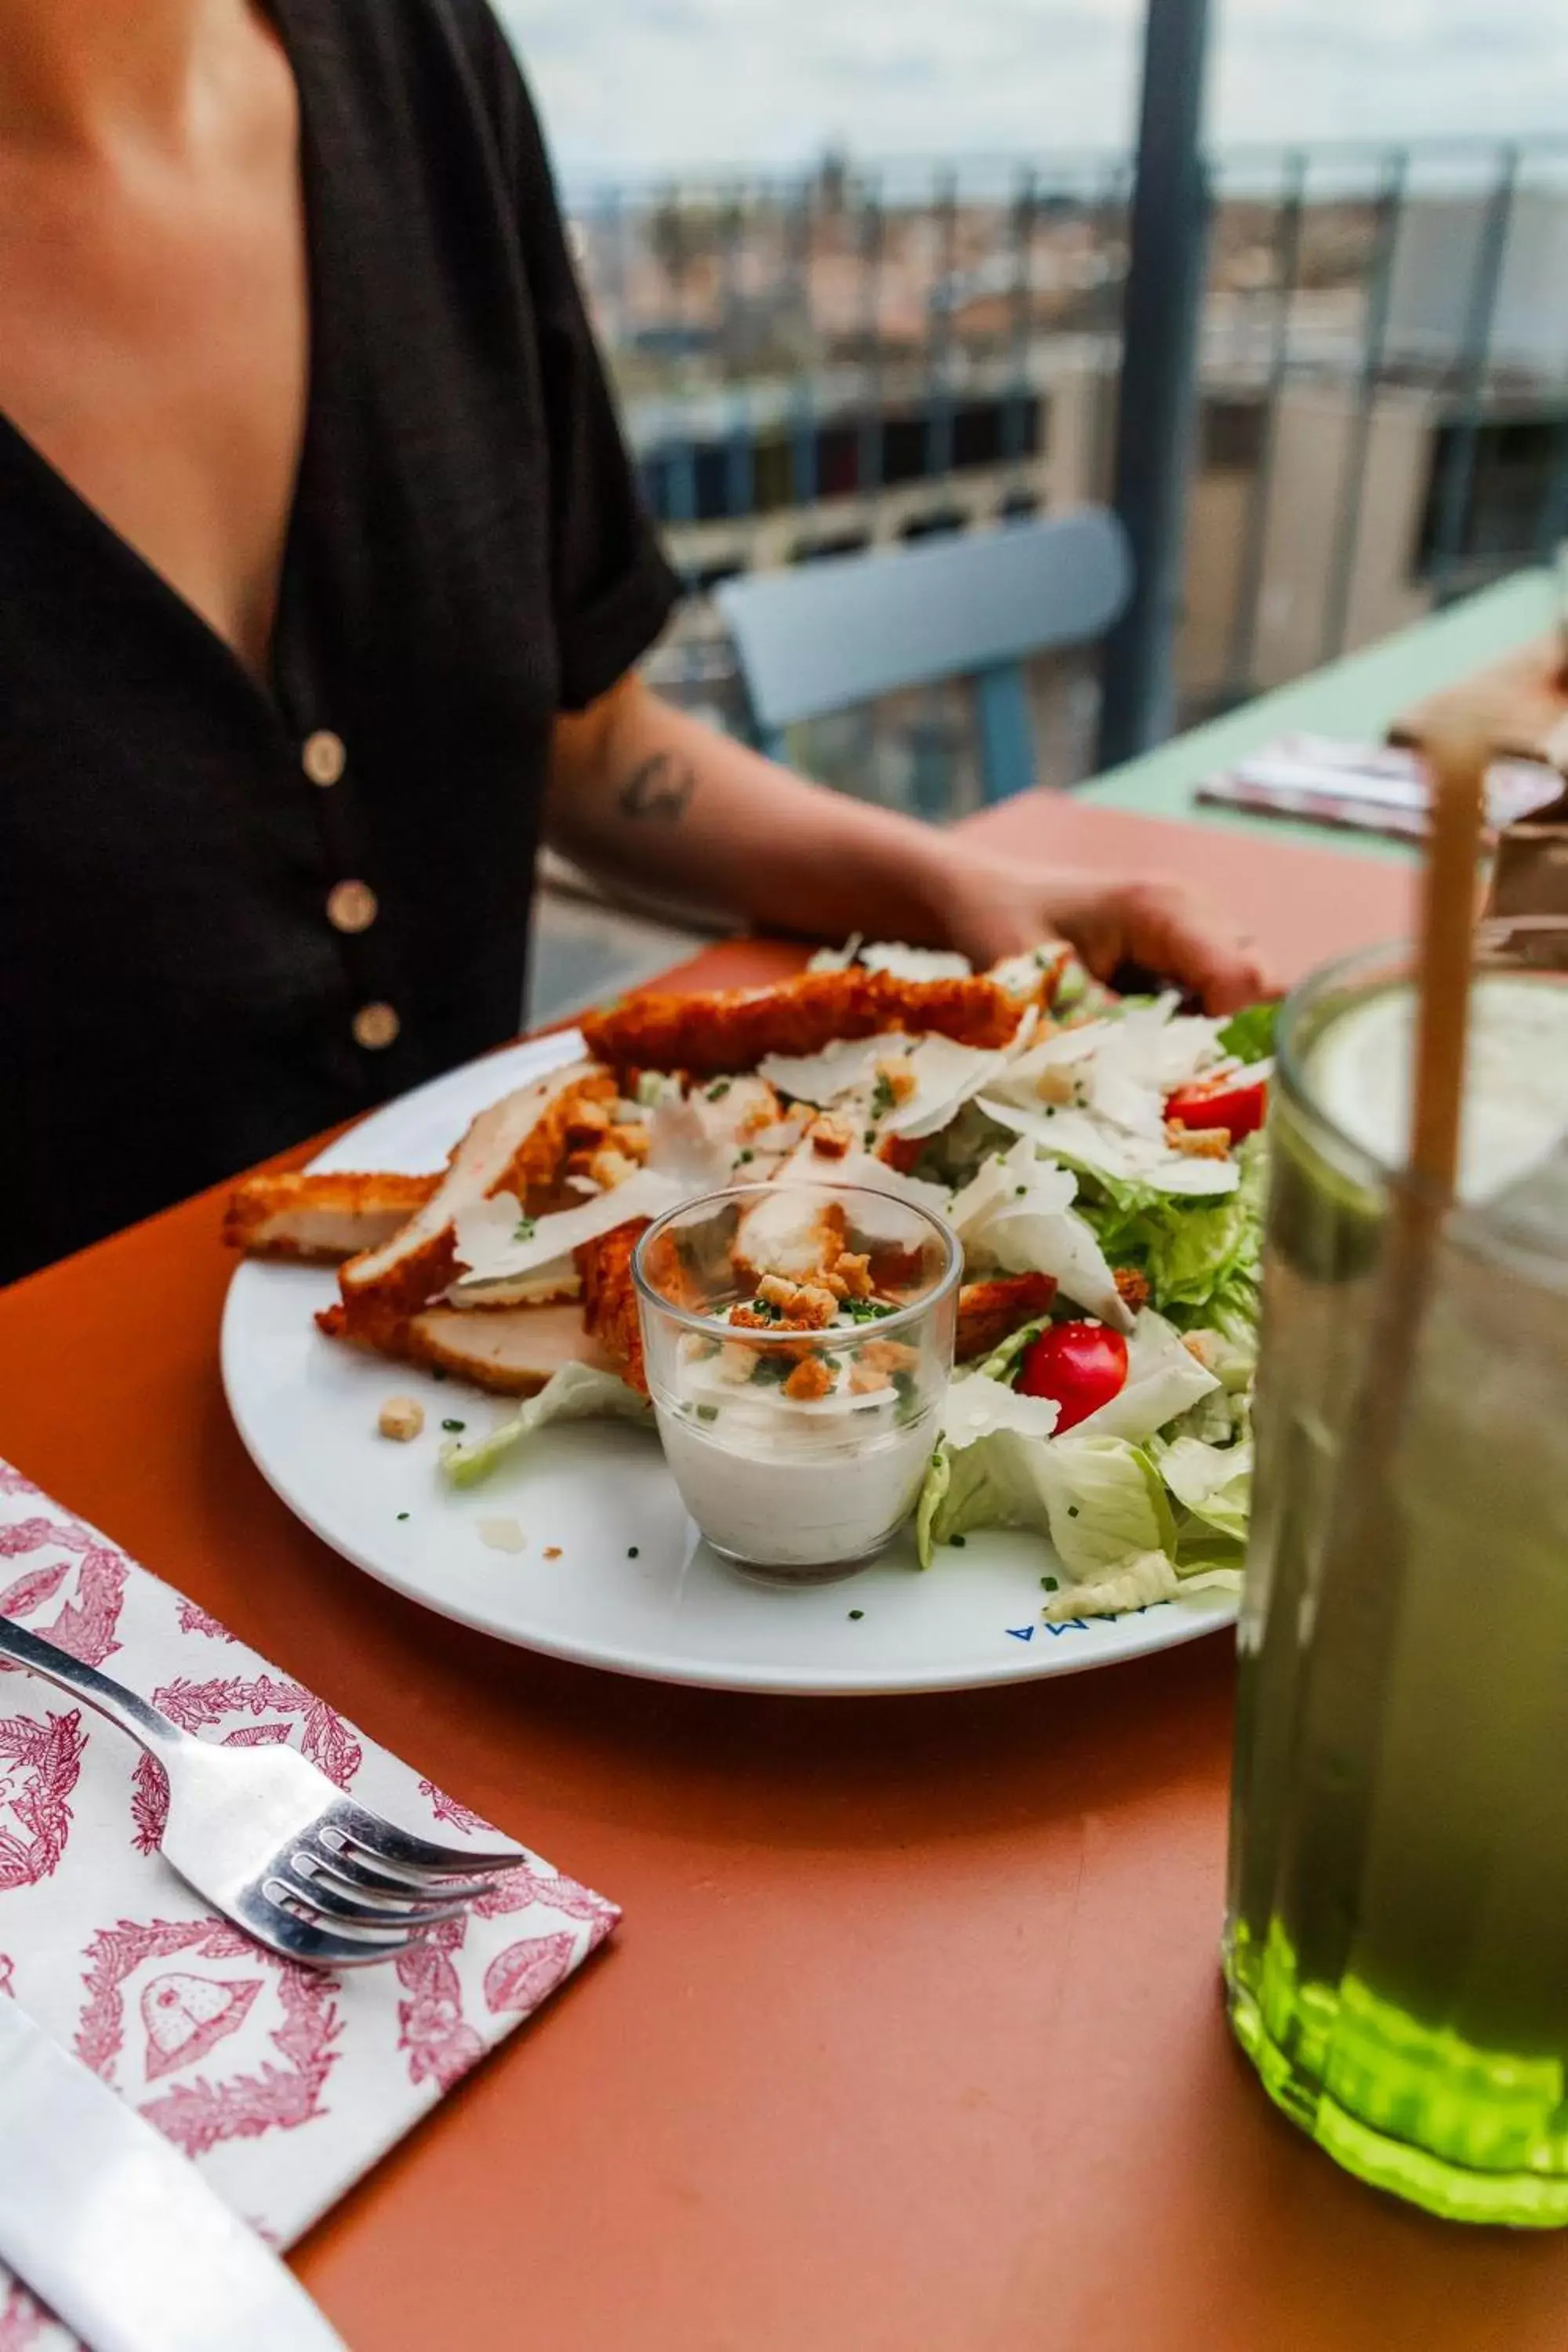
(1169, 928)
(1156, 922)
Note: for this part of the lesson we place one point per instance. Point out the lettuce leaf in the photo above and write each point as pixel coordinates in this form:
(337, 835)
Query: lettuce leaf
(1141, 1584)
(1101, 1500)
(1212, 1482)
(576, 1392)
(1212, 1486)
(1137, 1584)
(1201, 1258)
(1250, 1033)
(1106, 1503)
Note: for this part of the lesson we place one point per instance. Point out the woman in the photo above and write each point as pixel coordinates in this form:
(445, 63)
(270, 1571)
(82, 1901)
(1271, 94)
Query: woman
(322, 577)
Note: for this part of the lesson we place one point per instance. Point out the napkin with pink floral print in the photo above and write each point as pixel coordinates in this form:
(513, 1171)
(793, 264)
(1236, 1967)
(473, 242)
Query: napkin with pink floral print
(280, 2084)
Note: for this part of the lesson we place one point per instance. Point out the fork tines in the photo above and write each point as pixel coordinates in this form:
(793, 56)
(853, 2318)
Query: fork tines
(358, 1880)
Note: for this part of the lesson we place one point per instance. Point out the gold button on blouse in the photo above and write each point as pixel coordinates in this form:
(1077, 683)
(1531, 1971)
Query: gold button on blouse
(323, 757)
(375, 1025)
(352, 907)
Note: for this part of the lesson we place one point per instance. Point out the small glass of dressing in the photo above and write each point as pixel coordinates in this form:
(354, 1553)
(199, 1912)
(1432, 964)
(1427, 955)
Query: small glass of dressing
(799, 1338)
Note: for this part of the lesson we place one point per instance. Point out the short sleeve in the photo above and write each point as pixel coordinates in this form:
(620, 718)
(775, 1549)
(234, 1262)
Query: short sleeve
(612, 590)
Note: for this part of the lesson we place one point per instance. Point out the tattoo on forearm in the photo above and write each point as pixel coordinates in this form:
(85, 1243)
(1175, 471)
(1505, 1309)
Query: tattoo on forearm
(661, 786)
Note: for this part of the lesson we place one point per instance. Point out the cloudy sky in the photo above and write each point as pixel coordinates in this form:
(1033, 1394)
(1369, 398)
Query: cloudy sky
(629, 84)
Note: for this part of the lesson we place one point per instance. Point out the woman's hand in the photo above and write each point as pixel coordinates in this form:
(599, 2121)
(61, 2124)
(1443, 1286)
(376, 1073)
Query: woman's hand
(1153, 921)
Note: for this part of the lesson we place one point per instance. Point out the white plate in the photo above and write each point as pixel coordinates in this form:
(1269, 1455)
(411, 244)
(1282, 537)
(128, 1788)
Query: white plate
(632, 1587)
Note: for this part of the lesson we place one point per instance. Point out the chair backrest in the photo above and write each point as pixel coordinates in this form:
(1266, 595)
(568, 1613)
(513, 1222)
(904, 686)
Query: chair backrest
(823, 636)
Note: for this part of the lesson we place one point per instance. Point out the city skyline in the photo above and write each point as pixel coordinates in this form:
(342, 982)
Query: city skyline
(639, 85)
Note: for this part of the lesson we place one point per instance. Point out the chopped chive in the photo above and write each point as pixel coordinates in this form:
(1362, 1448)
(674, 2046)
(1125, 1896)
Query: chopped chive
(1049, 1583)
(743, 1157)
(1019, 1191)
(523, 1229)
(402, 1514)
(453, 1425)
(870, 1137)
(718, 1090)
(631, 1552)
(1072, 1510)
(706, 1413)
(958, 1542)
(856, 1615)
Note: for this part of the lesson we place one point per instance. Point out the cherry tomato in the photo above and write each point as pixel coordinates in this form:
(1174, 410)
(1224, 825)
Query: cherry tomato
(1238, 1102)
(1081, 1365)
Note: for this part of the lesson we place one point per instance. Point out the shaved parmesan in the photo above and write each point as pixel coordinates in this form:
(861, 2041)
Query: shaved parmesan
(915, 963)
(1163, 1379)
(946, 1076)
(1125, 1069)
(1015, 1215)
(996, 1189)
(835, 958)
(1062, 1244)
(696, 1139)
(840, 1070)
(1121, 1102)
(498, 1243)
(1024, 975)
(790, 1233)
(873, 1175)
(976, 1408)
(1085, 1141)
(1063, 1049)
(1164, 1049)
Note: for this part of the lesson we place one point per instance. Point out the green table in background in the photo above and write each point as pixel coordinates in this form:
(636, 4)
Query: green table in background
(1355, 699)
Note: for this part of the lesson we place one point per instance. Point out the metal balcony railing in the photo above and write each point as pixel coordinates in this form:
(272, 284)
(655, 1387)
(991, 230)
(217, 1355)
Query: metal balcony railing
(812, 365)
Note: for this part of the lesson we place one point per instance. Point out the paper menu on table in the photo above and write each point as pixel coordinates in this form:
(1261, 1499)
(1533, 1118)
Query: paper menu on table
(1367, 788)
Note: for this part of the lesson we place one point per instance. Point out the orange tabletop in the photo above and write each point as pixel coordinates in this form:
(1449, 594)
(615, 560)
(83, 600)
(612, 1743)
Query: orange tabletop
(911, 2040)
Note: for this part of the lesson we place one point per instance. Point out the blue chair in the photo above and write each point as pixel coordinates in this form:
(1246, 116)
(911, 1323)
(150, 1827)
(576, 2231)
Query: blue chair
(823, 636)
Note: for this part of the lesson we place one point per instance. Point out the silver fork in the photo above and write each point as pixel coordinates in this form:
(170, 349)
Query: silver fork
(267, 1839)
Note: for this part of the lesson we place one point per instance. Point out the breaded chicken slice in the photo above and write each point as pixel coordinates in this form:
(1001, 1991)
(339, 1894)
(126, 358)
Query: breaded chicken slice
(320, 1220)
(512, 1353)
(609, 1300)
(990, 1312)
(709, 1036)
(517, 1145)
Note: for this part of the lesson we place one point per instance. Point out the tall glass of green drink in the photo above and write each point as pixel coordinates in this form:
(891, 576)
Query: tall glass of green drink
(1397, 1950)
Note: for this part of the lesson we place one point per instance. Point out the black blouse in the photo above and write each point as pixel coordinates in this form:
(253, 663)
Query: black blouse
(230, 916)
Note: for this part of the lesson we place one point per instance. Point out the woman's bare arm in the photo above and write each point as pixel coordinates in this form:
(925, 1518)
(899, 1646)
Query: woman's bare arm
(644, 794)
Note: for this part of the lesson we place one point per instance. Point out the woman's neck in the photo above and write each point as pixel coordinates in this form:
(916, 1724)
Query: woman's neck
(78, 73)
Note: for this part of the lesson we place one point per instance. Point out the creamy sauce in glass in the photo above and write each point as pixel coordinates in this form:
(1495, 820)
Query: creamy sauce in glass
(775, 1510)
(793, 1487)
